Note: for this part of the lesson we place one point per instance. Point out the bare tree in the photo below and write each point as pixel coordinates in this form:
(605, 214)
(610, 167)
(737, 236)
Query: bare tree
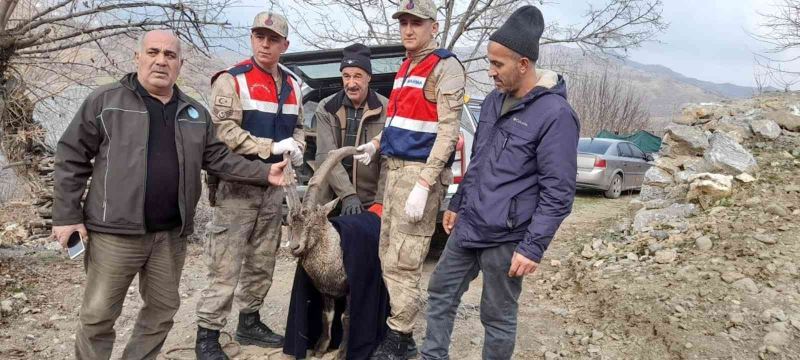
(760, 78)
(50, 46)
(465, 27)
(605, 101)
(61, 41)
(775, 72)
(615, 26)
(780, 31)
(781, 28)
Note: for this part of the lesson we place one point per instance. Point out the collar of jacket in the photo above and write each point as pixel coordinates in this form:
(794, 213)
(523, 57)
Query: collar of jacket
(426, 50)
(539, 91)
(338, 101)
(129, 82)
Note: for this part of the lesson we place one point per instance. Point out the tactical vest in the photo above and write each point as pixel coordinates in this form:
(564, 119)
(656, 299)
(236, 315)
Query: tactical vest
(266, 111)
(412, 120)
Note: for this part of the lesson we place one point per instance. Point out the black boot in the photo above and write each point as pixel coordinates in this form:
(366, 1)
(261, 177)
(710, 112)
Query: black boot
(251, 331)
(393, 347)
(207, 345)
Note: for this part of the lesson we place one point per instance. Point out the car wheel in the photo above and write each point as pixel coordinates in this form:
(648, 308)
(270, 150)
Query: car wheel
(615, 189)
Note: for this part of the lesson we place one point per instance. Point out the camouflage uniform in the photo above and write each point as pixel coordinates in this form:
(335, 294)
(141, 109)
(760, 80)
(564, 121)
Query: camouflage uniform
(245, 230)
(404, 244)
(244, 235)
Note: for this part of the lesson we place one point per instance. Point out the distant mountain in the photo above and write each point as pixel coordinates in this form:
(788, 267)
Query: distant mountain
(726, 90)
(665, 91)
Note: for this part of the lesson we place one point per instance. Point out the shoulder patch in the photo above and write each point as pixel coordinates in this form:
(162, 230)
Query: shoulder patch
(223, 101)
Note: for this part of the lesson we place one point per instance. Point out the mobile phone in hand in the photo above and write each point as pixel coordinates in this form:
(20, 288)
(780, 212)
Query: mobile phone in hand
(75, 245)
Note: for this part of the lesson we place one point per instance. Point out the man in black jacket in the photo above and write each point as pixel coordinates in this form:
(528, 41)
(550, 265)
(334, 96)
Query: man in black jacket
(149, 142)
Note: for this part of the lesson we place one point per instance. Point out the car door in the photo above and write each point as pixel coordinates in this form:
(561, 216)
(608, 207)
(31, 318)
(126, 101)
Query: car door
(628, 173)
(639, 165)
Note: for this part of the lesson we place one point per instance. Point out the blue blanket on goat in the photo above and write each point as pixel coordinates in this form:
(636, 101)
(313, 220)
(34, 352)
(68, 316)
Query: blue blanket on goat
(369, 300)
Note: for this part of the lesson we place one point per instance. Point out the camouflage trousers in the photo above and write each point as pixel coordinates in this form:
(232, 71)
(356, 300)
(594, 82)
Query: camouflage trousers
(404, 244)
(243, 239)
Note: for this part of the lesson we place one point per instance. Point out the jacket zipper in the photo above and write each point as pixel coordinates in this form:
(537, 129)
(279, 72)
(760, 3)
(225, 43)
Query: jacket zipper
(108, 165)
(364, 110)
(512, 211)
(181, 168)
(144, 179)
(505, 142)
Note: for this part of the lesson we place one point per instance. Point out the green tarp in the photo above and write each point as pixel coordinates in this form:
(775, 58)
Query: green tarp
(646, 141)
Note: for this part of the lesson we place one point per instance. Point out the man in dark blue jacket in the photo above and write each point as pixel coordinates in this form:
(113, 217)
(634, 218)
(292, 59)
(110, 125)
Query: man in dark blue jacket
(518, 189)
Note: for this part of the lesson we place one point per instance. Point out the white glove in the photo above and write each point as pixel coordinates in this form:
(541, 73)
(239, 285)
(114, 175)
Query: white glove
(283, 146)
(292, 147)
(367, 151)
(415, 205)
(297, 156)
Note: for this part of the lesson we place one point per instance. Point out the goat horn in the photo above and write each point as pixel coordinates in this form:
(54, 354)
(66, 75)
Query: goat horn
(292, 197)
(321, 175)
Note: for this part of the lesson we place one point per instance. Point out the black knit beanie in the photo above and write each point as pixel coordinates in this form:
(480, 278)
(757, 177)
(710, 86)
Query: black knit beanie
(357, 55)
(521, 32)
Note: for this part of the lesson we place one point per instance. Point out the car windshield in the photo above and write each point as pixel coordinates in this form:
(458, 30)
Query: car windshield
(593, 146)
(331, 70)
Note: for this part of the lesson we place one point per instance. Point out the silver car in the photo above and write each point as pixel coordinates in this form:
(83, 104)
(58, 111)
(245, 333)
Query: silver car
(610, 165)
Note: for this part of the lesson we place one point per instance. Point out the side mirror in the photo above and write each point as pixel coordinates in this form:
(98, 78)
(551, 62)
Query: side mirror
(648, 157)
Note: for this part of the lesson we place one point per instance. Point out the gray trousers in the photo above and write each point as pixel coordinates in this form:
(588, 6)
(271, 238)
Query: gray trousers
(112, 261)
(457, 267)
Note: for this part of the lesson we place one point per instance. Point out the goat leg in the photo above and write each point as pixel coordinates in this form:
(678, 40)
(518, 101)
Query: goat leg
(342, 355)
(328, 310)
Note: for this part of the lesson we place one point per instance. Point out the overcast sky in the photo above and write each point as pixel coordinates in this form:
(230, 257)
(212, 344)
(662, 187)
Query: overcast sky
(706, 39)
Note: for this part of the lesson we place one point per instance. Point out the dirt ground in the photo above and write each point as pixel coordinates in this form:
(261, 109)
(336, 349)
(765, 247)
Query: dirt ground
(42, 324)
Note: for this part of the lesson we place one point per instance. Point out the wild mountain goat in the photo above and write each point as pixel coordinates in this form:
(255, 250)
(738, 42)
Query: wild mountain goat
(317, 245)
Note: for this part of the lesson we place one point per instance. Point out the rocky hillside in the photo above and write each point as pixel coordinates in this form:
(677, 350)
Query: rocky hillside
(706, 265)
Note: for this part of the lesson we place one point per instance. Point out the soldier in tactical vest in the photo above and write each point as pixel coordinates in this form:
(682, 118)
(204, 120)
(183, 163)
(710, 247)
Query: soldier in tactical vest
(418, 141)
(257, 111)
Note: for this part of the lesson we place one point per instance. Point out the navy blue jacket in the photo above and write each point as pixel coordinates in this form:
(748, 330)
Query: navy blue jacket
(369, 300)
(520, 183)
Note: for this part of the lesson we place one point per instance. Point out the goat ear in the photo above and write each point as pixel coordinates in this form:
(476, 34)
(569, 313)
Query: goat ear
(330, 206)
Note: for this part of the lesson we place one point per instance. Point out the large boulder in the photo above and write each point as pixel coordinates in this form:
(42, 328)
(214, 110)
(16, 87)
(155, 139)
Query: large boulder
(787, 120)
(694, 114)
(691, 167)
(737, 128)
(766, 129)
(653, 218)
(726, 155)
(651, 192)
(708, 187)
(670, 164)
(686, 140)
(697, 165)
(657, 176)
